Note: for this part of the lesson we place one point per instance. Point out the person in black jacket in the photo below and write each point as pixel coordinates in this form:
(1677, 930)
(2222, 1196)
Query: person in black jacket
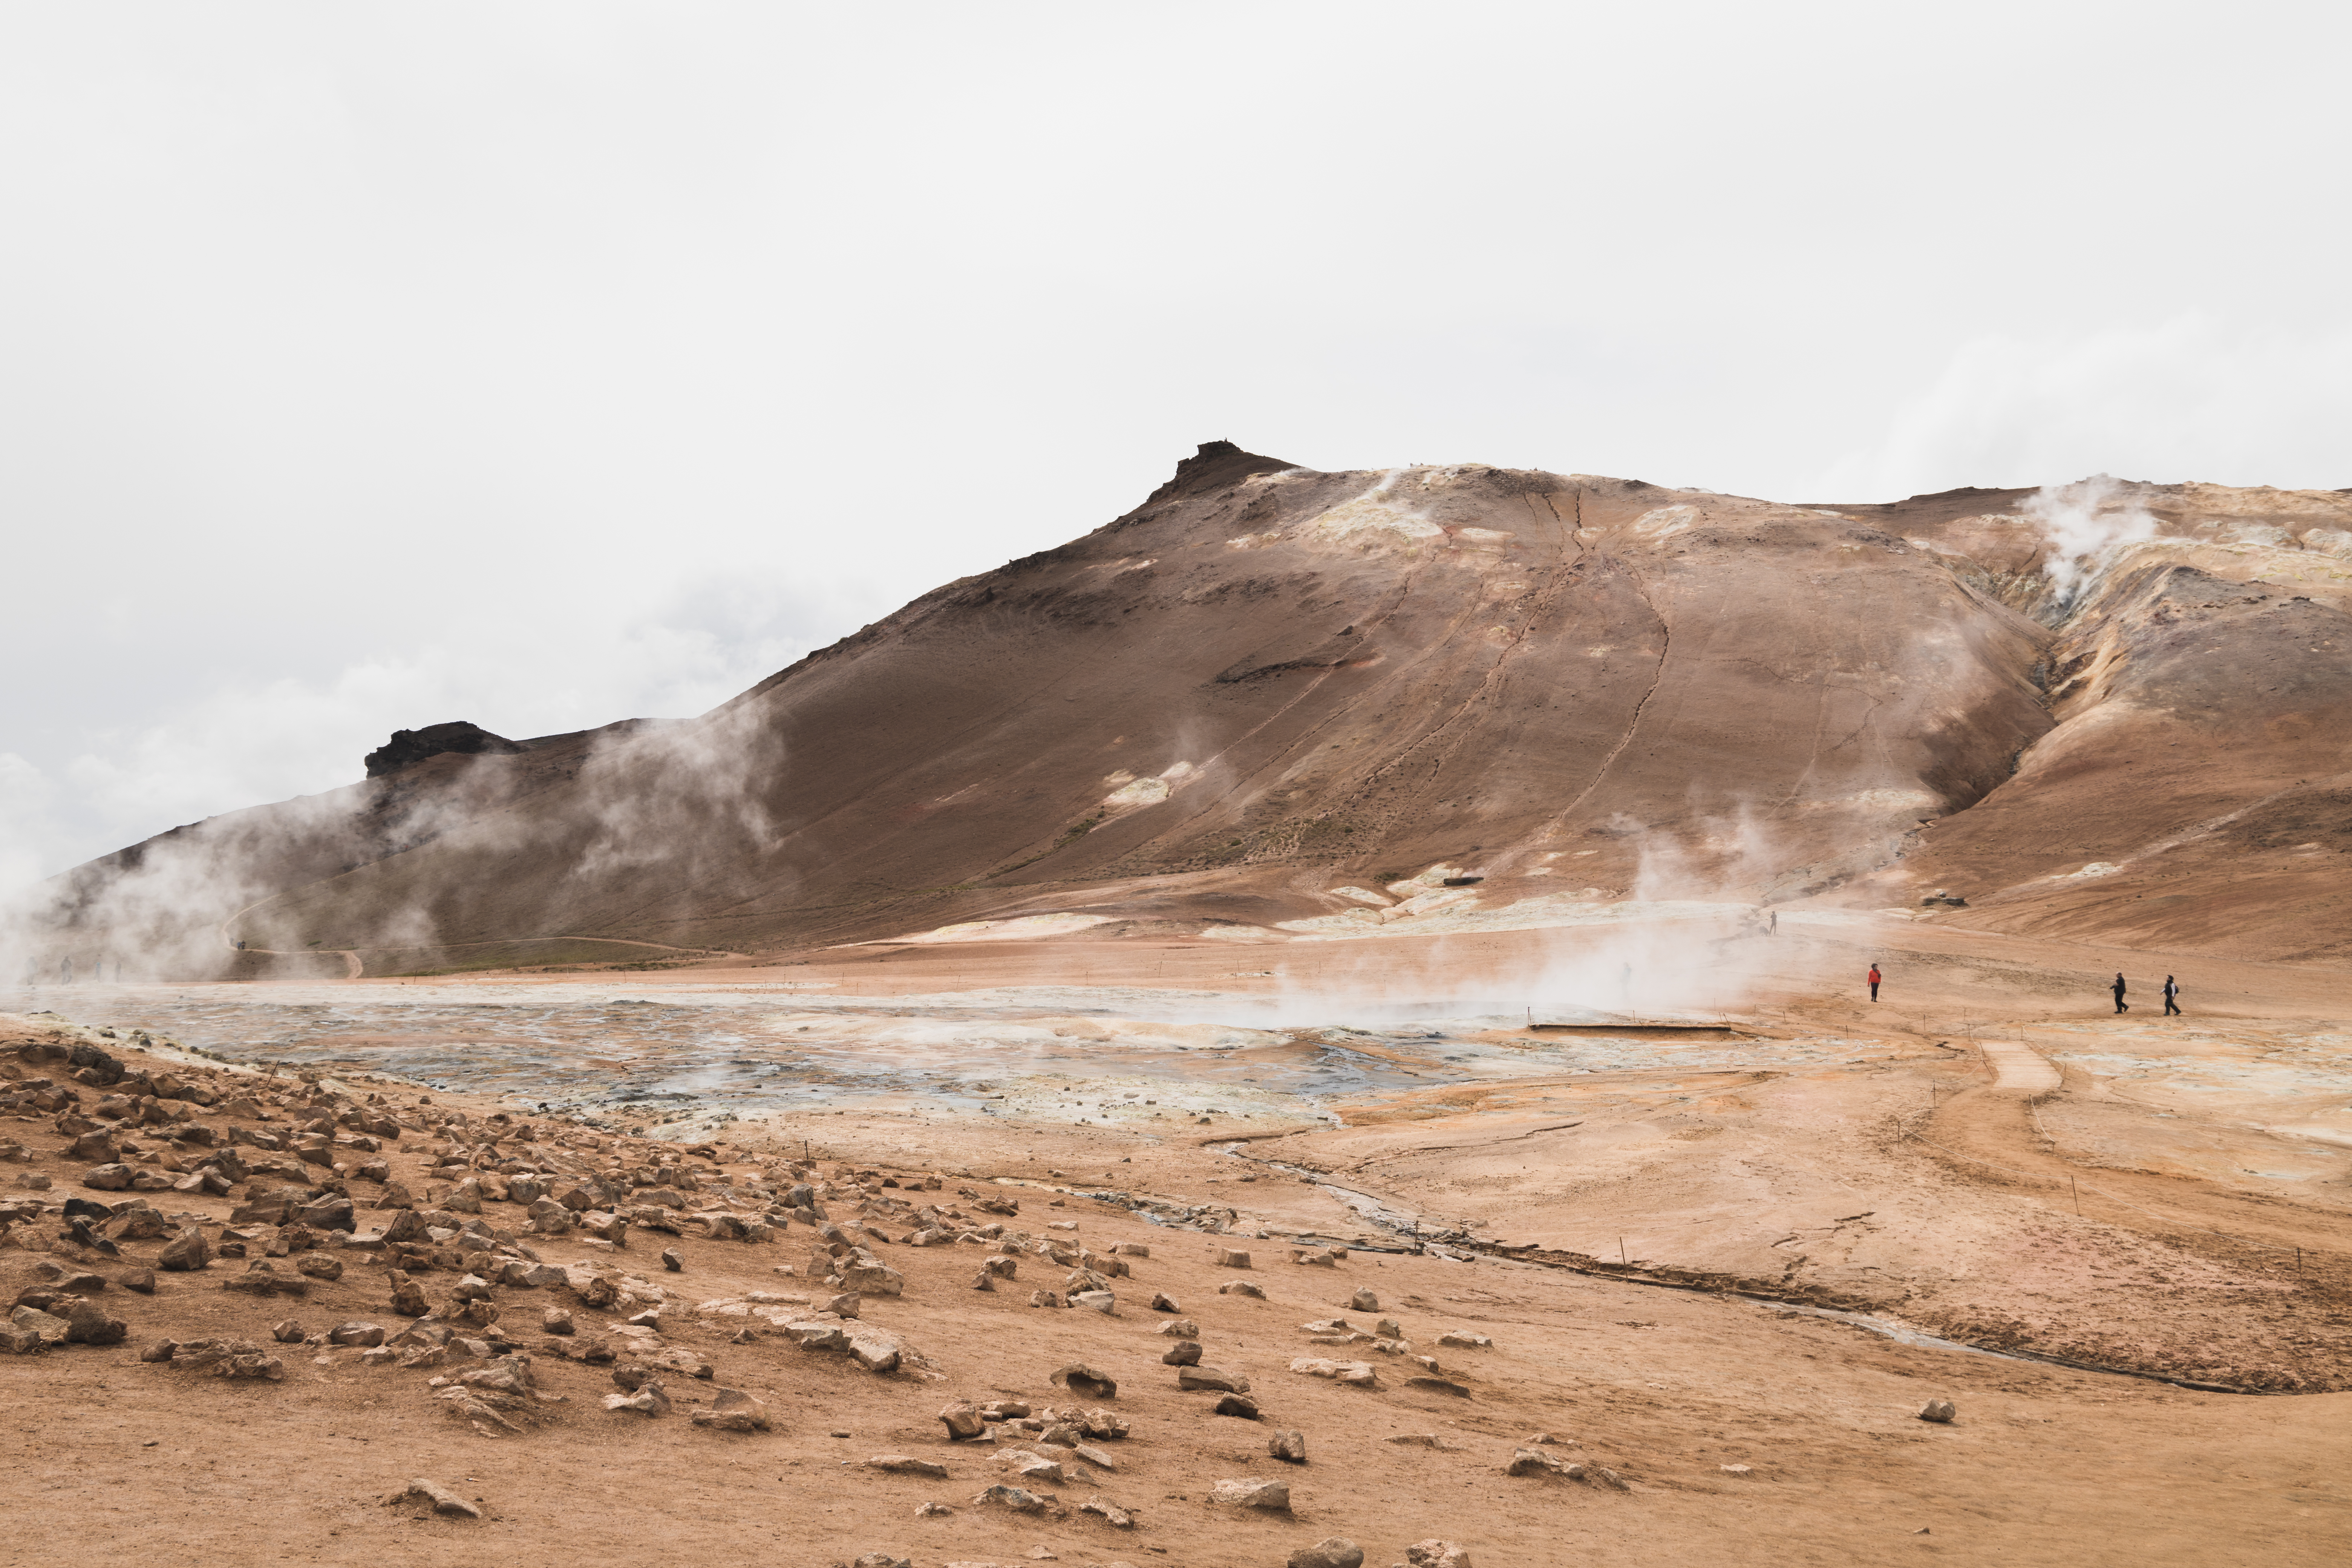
(2119, 989)
(2171, 992)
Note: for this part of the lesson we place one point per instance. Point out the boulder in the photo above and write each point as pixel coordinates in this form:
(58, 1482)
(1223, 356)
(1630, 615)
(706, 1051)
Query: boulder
(1178, 1328)
(1271, 1495)
(875, 1350)
(49, 1329)
(1939, 1411)
(648, 1400)
(872, 1280)
(1363, 1301)
(1435, 1553)
(1109, 1513)
(732, 1410)
(1162, 1302)
(140, 1280)
(107, 1178)
(962, 1421)
(1241, 1287)
(556, 1321)
(98, 1148)
(1226, 1258)
(1356, 1373)
(1184, 1353)
(290, 1332)
(1288, 1446)
(1237, 1404)
(1085, 1380)
(1216, 1379)
(319, 1266)
(1331, 1552)
(408, 1296)
(442, 1500)
(1012, 1498)
(90, 1325)
(1034, 1468)
(363, 1334)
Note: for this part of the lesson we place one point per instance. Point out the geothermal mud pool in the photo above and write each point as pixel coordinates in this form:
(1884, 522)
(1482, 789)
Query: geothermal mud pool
(691, 1056)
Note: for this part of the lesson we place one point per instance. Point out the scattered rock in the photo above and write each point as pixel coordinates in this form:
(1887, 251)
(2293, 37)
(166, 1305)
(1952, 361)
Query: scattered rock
(671, 1262)
(1241, 1288)
(1939, 1411)
(648, 1400)
(1535, 1462)
(1031, 1467)
(962, 1422)
(733, 1410)
(1239, 1405)
(1178, 1328)
(1227, 1258)
(907, 1465)
(1270, 1495)
(318, 1266)
(408, 1296)
(1012, 1497)
(1331, 1552)
(557, 1320)
(140, 1280)
(1212, 1377)
(1085, 1382)
(185, 1252)
(1737, 1471)
(87, 1323)
(1109, 1513)
(1184, 1353)
(288, 1332)
(1355, 1374)
(1439, 1385)
(443, 1500)
(1466, 1341)
(1363, 1301)
(1435, 1553)
(1161, 1303)
(1289, 1447)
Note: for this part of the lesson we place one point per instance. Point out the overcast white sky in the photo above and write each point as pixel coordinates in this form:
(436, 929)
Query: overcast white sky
(368, 365)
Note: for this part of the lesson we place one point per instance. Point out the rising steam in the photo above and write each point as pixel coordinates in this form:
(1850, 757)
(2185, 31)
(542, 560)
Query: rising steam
(2086, 523)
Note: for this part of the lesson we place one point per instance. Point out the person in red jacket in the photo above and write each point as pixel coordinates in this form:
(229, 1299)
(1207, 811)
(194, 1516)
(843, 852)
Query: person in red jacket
(1874, 982)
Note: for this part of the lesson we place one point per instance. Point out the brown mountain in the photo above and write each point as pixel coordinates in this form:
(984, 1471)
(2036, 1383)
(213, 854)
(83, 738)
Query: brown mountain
(2118, 710)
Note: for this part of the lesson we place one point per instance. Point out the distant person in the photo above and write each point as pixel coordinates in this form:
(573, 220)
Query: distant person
(65, 971)
(1772, 927)
(2171, 995)
(1874, 982)
(2121, 1005)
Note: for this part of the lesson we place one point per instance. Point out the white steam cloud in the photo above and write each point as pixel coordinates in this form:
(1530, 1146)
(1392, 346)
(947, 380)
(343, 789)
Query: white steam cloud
(2085, 524)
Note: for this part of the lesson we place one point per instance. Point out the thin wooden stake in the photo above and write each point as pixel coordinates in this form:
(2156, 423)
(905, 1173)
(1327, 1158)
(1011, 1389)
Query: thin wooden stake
(1621, 1254)
(2078, 1196)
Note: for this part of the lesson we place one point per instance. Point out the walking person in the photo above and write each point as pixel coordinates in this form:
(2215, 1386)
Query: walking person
(2121, 1005)
(2172, 994)
(1874, 980)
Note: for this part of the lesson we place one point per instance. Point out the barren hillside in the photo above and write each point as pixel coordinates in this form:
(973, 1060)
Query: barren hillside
(1291, 705)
